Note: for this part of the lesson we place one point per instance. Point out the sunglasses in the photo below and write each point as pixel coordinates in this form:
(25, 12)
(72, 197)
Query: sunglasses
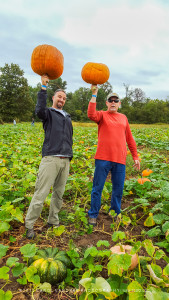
(113, 100)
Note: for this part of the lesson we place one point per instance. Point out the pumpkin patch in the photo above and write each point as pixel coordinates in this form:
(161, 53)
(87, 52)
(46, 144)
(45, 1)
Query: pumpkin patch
(144, 222)
(47, 59)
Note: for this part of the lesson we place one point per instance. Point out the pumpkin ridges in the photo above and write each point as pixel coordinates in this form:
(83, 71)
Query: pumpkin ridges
(142, 180)
(51, 264)
(63, 258)
(95, 73)
(56, 272)
(53, 273)
(38, 262)
(43, 66)
(43, 270)
(47, 59)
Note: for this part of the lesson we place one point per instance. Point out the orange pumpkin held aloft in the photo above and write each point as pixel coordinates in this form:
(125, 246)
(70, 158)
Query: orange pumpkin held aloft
(126, 249)
(95, 73)
(147, 172)
(142, 180)
(47, 59)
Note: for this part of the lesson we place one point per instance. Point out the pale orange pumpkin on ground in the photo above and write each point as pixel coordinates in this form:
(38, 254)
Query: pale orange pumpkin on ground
(47, 59)
(95, 73)
(142, 180)
(126, 249)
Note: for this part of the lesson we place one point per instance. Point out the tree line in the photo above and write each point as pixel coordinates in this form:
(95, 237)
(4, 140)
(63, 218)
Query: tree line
(18, 100)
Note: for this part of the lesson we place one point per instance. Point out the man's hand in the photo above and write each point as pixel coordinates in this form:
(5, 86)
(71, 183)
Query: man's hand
(136, 164)
(44, 79)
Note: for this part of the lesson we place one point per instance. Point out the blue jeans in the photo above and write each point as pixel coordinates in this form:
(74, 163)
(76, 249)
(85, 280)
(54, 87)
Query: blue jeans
(102, 168)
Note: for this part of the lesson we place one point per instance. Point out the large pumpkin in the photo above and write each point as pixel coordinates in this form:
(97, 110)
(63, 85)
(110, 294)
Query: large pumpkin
(95, 73)
(47, 59)
(51, 265)
(126, 249)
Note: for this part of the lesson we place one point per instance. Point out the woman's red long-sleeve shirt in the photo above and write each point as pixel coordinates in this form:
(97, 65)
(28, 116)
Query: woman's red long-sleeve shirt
(113, 134)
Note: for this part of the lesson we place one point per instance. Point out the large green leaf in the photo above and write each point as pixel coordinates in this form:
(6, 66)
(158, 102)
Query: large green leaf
(31, 275)
(18, 269)
(119, 263)
(160, 218)
(96, 285)
(28, 250)
(153, 293)
(165, 226)
(149, 247)
(156, 231)
(4, 226)
(18, 214)
(3, 273)
(45, 287)
(3, 250)
(5, 295)
(166, 270)
(118, 235)
(135, 290)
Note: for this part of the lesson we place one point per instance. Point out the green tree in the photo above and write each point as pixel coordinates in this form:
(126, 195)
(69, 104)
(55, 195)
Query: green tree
(138, 97)
(15, 99)
(77, 102)
(155, 111)
(33, 91)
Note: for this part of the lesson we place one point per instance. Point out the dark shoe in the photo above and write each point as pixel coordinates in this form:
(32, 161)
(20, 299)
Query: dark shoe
(30, 234)
(52, 225)
(92, 221)
(116, 218)
(49, 225)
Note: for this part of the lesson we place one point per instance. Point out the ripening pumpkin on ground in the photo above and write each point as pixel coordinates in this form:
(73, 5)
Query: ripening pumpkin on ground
(95, 73)
(147, 172)
(142, 180)
(47, 59)
(126, 249)
(51, 265)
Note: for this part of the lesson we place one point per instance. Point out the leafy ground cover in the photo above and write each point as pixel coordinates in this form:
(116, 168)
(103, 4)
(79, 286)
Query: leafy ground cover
(96, 273)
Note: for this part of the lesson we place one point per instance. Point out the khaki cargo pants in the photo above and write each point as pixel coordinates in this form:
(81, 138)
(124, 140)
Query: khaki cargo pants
(53, 171)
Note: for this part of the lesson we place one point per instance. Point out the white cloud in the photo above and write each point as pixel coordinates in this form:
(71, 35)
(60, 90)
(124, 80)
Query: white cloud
(130, 36)
(116, 25)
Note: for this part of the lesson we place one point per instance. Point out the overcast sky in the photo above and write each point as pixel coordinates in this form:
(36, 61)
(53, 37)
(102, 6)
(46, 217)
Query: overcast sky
(130, 36)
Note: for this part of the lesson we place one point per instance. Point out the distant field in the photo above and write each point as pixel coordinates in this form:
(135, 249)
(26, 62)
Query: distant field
(144, 222)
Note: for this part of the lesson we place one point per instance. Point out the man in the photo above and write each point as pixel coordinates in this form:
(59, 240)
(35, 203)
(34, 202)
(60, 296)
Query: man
(113, 134)
(56, 156)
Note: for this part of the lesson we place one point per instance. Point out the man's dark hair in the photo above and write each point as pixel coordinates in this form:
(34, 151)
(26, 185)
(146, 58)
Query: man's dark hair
(59, 90)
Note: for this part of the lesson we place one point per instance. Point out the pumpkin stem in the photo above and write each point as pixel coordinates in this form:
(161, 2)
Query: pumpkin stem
(121, 248)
